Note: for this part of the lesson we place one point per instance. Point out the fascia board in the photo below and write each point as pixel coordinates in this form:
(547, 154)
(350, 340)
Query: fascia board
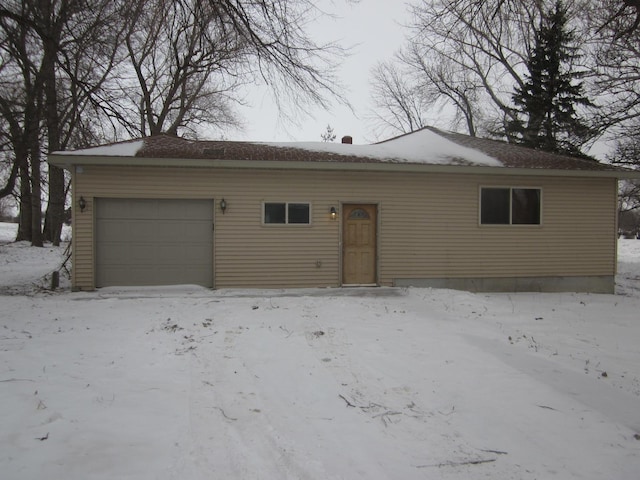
(68, 161)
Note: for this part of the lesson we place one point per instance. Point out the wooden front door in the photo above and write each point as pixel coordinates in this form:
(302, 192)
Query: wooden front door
(359, 244)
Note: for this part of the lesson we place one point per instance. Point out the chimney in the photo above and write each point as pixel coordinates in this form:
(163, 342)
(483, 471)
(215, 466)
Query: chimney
(347, 139)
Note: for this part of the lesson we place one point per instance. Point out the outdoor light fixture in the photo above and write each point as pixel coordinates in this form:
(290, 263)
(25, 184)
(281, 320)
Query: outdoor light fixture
(82, 203)
(223, 205)
(333, 213)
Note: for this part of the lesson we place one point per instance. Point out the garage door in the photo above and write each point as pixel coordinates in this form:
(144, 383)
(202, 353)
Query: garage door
(154, 242)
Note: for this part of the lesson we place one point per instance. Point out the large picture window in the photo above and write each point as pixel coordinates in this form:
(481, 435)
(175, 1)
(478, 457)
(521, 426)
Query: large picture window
(285, 213)
(510, 206)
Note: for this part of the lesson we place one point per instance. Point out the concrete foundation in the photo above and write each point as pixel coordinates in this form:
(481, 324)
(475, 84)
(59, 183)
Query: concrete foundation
(598, 284)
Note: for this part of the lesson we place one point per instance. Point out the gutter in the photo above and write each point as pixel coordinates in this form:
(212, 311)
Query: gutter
(69, 161)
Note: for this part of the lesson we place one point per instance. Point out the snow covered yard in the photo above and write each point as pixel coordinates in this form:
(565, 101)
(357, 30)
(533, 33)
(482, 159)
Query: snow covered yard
(187, 383)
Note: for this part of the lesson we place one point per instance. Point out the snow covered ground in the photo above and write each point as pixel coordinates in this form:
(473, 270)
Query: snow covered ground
(187, 383)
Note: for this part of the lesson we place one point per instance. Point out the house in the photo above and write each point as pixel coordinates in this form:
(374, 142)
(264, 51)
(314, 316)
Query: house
(430, 208)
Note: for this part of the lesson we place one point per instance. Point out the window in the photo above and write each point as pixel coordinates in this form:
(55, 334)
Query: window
(286, 213)
(358, 214)
(510, 206)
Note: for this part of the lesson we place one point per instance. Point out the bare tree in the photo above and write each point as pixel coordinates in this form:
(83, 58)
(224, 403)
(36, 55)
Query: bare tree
(49, 47)
(185, 67)
(473, 53)
(189, 58)
(617, 68)
(21, 99)
(469, 55)
(299, 70)
(623, 16)
(399, 103)
(444, 83)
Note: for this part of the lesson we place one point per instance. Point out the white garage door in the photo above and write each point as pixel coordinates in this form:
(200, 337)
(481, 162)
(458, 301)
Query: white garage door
(154, 242)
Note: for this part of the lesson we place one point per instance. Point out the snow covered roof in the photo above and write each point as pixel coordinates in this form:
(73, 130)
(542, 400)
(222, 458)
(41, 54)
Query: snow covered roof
(426, 147)
(120, 149)
(423, 146)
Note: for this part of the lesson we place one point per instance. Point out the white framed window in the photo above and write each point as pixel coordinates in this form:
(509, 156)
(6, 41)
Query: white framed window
(286, 213)
(510, 206)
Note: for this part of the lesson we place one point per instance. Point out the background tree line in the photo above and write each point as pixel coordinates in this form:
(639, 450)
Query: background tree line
(76, 73)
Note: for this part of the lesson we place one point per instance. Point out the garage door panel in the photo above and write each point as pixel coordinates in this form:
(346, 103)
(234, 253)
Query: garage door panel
(114, 209)
(141, 209)
(193, 232)
(194, 212)
(140, 243)
(140, 230)
(152, 276)
(110, 231)
(150, 254)
(195, 254)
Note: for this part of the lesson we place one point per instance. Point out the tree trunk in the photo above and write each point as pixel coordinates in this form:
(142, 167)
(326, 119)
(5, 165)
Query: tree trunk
(55, 207)
(36, 200)
(24, 225)
(54, 217)
(36, 182)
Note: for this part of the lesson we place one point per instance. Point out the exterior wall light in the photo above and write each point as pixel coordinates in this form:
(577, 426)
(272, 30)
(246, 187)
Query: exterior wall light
(82, 203)
(223, 205)
(333, 213)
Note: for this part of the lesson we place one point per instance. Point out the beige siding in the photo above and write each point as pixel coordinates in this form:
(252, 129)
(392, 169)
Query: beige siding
(428, 224)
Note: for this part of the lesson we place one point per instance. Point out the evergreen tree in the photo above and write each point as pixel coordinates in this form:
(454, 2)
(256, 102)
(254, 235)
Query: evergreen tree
(548, 99)
(328, 135)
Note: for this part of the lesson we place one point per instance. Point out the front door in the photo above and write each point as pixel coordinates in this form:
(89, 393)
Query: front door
(359, 244)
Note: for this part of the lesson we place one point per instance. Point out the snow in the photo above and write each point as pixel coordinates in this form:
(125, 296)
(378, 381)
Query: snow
(422, 146)
(23, 268)
(122, 149)
(187, 383)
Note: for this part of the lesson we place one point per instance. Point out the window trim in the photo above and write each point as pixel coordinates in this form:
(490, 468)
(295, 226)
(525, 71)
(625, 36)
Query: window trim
(510, 224)
(286, 214)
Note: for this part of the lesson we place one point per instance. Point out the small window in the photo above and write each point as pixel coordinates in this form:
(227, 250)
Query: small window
(494, 206)
(525, 206)
(286, 213)
(297, 213)
(275, 213)
(510, 206)
(358, 214)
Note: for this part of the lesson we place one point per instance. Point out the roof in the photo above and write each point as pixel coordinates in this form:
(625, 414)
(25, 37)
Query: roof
(427, 149)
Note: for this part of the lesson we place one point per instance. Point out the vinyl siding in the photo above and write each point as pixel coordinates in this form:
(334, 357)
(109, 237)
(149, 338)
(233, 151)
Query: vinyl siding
(428, 224)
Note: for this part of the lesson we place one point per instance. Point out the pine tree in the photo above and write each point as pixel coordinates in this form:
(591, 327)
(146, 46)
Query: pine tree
(328, 135)
(548, 99)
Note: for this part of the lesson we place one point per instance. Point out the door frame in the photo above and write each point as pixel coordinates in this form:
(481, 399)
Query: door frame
(341, 242)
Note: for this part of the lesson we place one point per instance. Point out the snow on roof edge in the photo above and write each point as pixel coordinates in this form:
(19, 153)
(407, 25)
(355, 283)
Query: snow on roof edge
(122, 149)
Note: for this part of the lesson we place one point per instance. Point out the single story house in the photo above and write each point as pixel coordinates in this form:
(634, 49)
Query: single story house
(430, 208)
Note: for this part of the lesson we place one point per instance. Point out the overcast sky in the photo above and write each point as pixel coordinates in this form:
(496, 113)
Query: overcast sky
(374, 30)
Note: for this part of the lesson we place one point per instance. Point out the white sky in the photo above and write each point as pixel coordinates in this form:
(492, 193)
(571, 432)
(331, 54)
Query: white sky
(374, 30)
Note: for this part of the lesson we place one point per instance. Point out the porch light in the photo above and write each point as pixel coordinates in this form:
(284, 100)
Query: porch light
(333, 213)
(223, 205)
(82, 203)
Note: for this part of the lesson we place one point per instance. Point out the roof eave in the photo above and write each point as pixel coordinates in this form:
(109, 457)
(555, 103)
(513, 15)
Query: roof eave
(69, 161)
